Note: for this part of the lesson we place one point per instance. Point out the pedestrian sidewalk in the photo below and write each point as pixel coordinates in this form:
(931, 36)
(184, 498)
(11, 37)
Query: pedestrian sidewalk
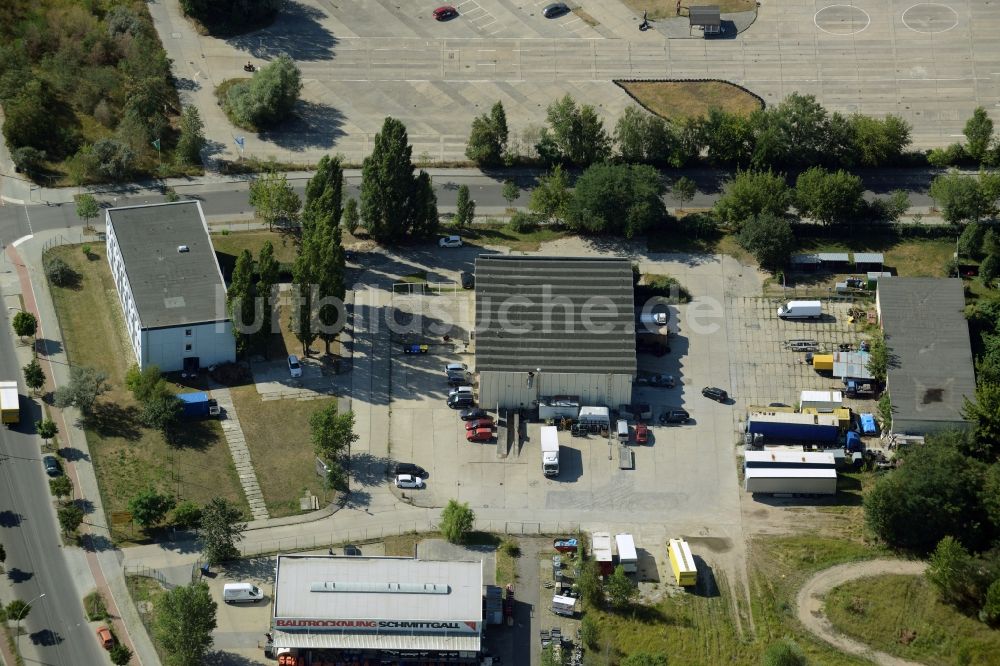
(230, 422)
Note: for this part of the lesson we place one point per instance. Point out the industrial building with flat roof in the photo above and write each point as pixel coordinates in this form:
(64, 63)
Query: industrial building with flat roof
(170, 286)
(343, 608)
(932, 371)
(548, 326)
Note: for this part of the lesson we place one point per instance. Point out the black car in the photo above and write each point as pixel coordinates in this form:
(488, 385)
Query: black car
(461, 400)
(52, 466)
(472, 414)
(555, 10)
(352, 550)
(468, 280)
(411, 469)
(675, 416)
(715, 393)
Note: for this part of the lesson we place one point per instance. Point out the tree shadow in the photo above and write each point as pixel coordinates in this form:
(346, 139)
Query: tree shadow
(47, 347)
(358, 499)
(183, 83)
(9, 518)
(297, 32)
(109, 419)
(45, 637)
(94, 543)
(222, 658)
(16, 575)
(311, 125)
(86, 505)
(196, 435)
(368, 470)
(72, 454)
(258, 569)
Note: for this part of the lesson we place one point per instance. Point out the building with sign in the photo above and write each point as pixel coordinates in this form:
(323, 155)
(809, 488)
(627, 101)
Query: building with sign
(384, 609)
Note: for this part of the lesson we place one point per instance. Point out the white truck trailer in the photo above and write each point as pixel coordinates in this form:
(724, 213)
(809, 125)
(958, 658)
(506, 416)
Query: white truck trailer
(790, 481)
(9, 403)
(550, 451)
(628, 558)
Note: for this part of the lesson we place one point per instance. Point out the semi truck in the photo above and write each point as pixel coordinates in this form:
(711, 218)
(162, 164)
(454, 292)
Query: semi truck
(550, 451)
(800, 427)
(10, 408)
(197, 405)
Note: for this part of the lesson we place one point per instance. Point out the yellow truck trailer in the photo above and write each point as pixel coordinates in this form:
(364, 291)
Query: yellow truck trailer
(682, 562)
(823, 362)
(10, 409)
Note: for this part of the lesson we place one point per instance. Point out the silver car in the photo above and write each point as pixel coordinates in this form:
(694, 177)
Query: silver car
(409, 481)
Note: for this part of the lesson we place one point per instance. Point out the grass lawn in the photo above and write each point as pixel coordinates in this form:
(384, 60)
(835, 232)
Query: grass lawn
(499, 234)
(229, 246)
(676, 100)
(659, 9)
(506, 564)
(146, 592)
(907, 257)
(277, 434)
(901, 615)
(127, 456)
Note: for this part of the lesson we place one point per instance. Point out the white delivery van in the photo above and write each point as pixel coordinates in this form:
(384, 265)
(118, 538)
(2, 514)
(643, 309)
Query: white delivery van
(622, 429)
(241, 593)
(801, 310)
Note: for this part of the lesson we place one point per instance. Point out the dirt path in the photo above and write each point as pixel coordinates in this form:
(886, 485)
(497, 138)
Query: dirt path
(809, 604)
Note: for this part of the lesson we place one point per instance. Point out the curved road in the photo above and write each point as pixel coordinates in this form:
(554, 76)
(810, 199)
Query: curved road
(809, 604)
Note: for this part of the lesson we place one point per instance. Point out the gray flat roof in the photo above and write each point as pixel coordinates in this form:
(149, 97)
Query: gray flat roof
(869, 258)
(562, 314)
(170, 288)
(927, 333)
(378, 588)
(704, 15)
(841, 257)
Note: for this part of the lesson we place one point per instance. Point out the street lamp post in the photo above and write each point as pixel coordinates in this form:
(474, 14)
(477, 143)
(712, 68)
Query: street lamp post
(17, 642)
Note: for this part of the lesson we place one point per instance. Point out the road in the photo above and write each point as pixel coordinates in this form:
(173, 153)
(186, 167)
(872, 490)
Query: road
(230, 200)
(56, 631)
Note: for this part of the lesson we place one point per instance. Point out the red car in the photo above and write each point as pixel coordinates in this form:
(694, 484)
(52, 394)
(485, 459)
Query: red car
(486, 422)
(445, 12)
(479, 435)
(641, 433)
(105, 637)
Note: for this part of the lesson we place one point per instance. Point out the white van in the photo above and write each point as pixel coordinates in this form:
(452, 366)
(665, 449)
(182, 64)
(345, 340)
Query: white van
(622, 428)
(241, 593)
(801, 310)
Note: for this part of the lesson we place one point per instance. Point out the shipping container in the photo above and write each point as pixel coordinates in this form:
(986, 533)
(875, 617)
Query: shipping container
(790, 481)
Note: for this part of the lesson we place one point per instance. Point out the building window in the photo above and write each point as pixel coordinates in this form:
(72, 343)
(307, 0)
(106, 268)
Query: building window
(187, 332)
(187, 347)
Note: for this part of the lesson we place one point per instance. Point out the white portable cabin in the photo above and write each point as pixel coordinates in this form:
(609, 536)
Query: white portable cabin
(628, 558)
(601, 549)
(822, 400)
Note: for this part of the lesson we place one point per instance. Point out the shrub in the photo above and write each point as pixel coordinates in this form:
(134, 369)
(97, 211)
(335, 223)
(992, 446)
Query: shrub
(522, 223)
(268, 97)
(783, 653)
(187, 514)
(94, 607)
(589, 632)
(989, 270)
(511, 549)
(60, 274)
(456, 521)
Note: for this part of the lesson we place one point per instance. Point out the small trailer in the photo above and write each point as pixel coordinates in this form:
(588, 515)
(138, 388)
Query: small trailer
(198, 405)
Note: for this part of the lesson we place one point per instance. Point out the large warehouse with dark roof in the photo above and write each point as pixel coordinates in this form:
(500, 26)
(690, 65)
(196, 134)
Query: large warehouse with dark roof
(554, 326)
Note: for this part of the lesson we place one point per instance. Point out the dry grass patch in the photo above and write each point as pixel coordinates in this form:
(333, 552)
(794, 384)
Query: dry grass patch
(127, 456)
(405, 545)
(677, 100)
(233, 243)
(660, 9)
(278, 436)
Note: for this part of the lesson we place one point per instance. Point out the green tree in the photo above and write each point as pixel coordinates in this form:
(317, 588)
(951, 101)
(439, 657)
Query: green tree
(59, 272)
(18, 609)
(684, 190)
(878, 358)
(769, 239)
(620, 589)
(145, 383)
(950, 570)
(589, 584)
(149, 507)
(332, 432)
(84, 387)
(120, 655)
(575, 135)
(727, 138)
(751, 193)
(828, 197)
(456, 521)
(590, 632)
(783, 653)
(46, 429)
(991, 242)
(643, 137)
(644, 659)
(878, 141)
(25, 325)
(990, 613)
(274, 200)
(185, 620)
(36, 117)
(423, 217)
(336, 477)
(268, 271)
(34, 376)
(990, 495)
(267, 98)
(960, 198)
(61, 486)
(113, 158)
(989, 269)
(549, 657)
(487, 143)
(932, 494)
(240, 301)
(984, 413)
(222, 527)
(351, 217)
(162, 410)
(70, 516)
(187, 514)
(978, 134)
(465, 207)
(87, 208)
(510, 192)
(796, 132)
(551, 198)
(387, 184)
(970, 241)
(192, 139)
(325, 251)
(625, 199)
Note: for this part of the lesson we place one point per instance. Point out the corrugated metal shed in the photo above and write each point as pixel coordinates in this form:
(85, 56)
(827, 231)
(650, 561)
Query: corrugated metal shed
(834, 257)
(869, 258)
(562, 314)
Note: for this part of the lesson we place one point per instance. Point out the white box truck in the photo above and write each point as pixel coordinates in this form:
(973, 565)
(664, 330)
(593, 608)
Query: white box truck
(550, 450)
(9, 403)
(801, 310)
(627, 556)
